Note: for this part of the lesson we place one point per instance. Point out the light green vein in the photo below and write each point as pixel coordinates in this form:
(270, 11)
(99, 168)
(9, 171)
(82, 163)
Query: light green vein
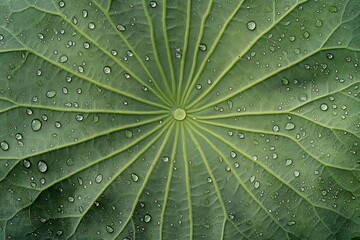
(239, 180)
(186, 43)
(191, 83)
(192, 71)
(156, 53)
(127, 165)
(113, 25)
(270, 172)
(264, 167)
(168, 51)
(234, 61)
(276, 134)
(187, 173)
(190, 130)
(169, 178)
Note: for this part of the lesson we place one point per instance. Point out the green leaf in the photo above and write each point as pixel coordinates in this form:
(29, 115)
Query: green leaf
(180, 119)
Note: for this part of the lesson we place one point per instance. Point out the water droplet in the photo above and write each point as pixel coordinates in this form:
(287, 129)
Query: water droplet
(230, 133)
(51, 94)
(236, 164)
(36, 125)
(227, 168)
(251, 25)
(129, 133)
(152, 4)
(147, 218)
(129, 53)
(289, 126)
(120, 27)
(63, 59)
(61, 4)
(42, 166)
(42, 181)
(241, 135)
(275, 128)
(230, 104)
(79, 117)
(288, 162)
(99, 178)
(26, 163)
(306, 35)
(291, 223)
(107, 69)
(318, 23)
(198, 86)
(296, 173)
(4, 146)
(39, 72)
(84, 13)
(202, 47)
(292, 38)
(1, 37)
(329, 56)
(40, 36)
(252, 178)
(91, 25)
(284, 81)
(70, 162)
(109, 229)
(209, 179)
(80, 69)
(333, 9)
(134, 177)
(233, 154)
(256, 185)
(303, 97)
(165, 158)
(86, 45)
(324, 107)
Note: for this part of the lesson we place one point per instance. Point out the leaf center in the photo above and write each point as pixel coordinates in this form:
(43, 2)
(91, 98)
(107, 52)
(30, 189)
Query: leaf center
(179, 114)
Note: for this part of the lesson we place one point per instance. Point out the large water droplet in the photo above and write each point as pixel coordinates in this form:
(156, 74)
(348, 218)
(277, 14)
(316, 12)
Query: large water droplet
(99, 178)
(107, 70)
(289, 126)
(36, 125)
(4, 146)
(233, 154)
(147, 218)
(251, 25)
(63, 59)
(288, 162)
(134, 177)
(324, 107)
(51, 94)
(275, 128)
(42, 166)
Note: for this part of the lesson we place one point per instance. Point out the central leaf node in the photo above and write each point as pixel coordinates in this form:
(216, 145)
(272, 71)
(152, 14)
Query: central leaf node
(179, 114)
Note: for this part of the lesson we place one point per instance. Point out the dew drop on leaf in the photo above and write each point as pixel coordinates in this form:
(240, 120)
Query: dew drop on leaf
(296, 173)
(165, 158)
(51, 94)
(251, 25)
(26, 163)
(318, 23)
(134, 177)
(289, 126)
(99, 178)
(329, 56)
(153, 4)
(61, 4)
(275, 128)
(284, 81)
(109, 229)
(147, 218)
(120, 27)
(202, 47)
(84, 13)
(71, 199)
(256, 185)
(107, 69)
(288, 162)
(241, 135)
(63, 59)
(79, 117)
(209, 179)
(236, 164)
(227, 168)
(86, 45)
(324, 107)
(4, 146)
(91, 25)
(233, 154)
(291, 223)
(42, 166)
(303, 97)
(36, 125)
(129, 134)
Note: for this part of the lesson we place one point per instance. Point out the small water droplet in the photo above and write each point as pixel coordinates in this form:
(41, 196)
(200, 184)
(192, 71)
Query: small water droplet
(251, 25)
(289, 126)
(99, 178)
(275, 128)
(230, 104)
(121, 27)
(4, 146)
(26, 163)
(256, 185)
(79, 117)
(147, 218)
(330, 56)
(36, 125)
(198, 86)
(227, 168)
(202, 47)
(84, 13)
(107, 69)
(233, 154)
(306, 34)
(284, 81)
(109, 229)
(42, 166)
(303, 97)
(324, 107)
(152, 4)
(291, 223)
(241, 135)
(333, 9)
(51, 94)
(61, 4)
(129, 53)
(296, 173)
(318, 23)
(70, 162)
(209, 179)
(236, 164)
(165, 158)
(134, 177)
(86, 45)
(288, 162)
(252, 178)
(129, 134)
(40, 36)
(63, 59)
(91, 25)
